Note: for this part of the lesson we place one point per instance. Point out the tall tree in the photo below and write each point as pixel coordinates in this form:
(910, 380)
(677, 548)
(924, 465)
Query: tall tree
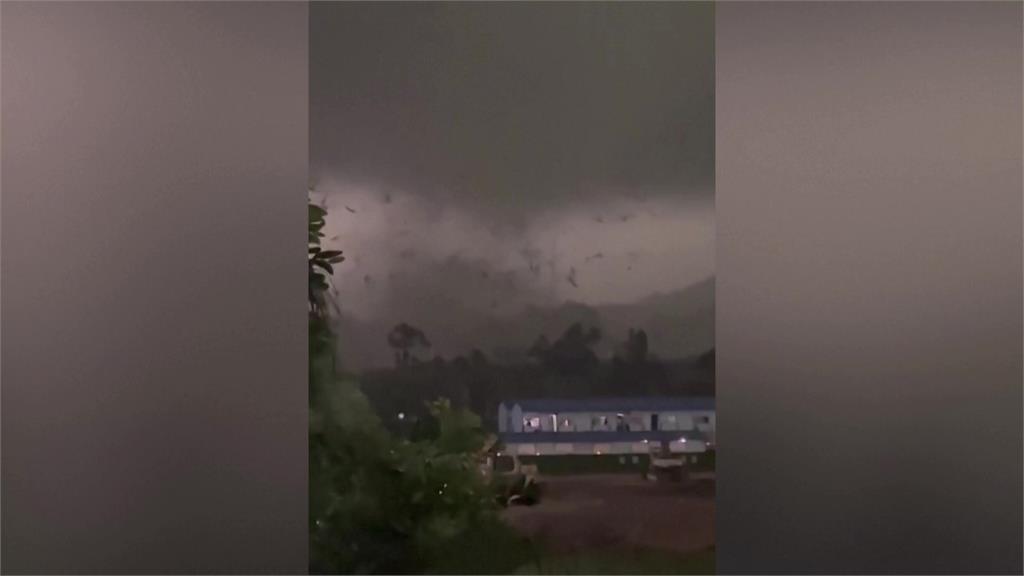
(405, 338)
(572, 354)
(634, 349)
(539, 349)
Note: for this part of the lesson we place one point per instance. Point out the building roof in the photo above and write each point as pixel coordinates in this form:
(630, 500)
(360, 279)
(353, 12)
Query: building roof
(649, 403)
(599, 436)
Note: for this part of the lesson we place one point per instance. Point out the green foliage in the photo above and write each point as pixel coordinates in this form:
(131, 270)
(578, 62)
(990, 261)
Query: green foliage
(386, 506)
(321, 262)
(459, 431)
(379, 504)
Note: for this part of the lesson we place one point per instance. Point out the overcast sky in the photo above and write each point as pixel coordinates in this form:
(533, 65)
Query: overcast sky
(514, 153)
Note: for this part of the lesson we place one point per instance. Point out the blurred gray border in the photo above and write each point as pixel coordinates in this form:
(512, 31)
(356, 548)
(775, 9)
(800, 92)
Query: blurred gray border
(154, 360)
(869, 341)
(869, 287)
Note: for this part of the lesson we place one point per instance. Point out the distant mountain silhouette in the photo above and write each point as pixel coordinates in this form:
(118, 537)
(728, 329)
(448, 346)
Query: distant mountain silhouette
(679, 324)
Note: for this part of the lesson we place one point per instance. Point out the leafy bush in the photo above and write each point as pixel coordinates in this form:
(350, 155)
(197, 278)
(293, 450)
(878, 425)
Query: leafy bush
(386, 506)
(379, 504)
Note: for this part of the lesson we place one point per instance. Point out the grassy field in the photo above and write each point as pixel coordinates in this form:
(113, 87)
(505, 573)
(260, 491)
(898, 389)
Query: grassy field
(501, 551)
(595, 524)
(495, 548)
(635, 562)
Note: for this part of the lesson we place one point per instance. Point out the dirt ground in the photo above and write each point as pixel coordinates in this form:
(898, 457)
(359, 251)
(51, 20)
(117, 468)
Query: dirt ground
(618, 512)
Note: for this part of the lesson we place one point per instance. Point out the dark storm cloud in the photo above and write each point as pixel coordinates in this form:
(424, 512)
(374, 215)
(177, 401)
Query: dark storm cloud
(514, 106)
(482, 159)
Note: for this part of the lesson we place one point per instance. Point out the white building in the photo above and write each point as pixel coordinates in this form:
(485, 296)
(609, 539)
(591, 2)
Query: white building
(606, 425)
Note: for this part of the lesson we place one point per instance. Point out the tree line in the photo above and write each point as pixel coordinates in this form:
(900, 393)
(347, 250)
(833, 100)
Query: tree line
(566, 367)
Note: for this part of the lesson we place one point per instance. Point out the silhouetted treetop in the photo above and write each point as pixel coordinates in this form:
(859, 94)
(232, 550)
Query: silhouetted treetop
(404, 338)
(634, 349)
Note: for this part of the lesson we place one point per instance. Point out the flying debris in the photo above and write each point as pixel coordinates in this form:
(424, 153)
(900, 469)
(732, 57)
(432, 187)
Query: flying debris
(349, 209)
(387, 198)
(532, 257)
(599, 219)
(366, 279)
(572, 277)
(335, 237)
(485, 275)
(625, 217)
(595, 256)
